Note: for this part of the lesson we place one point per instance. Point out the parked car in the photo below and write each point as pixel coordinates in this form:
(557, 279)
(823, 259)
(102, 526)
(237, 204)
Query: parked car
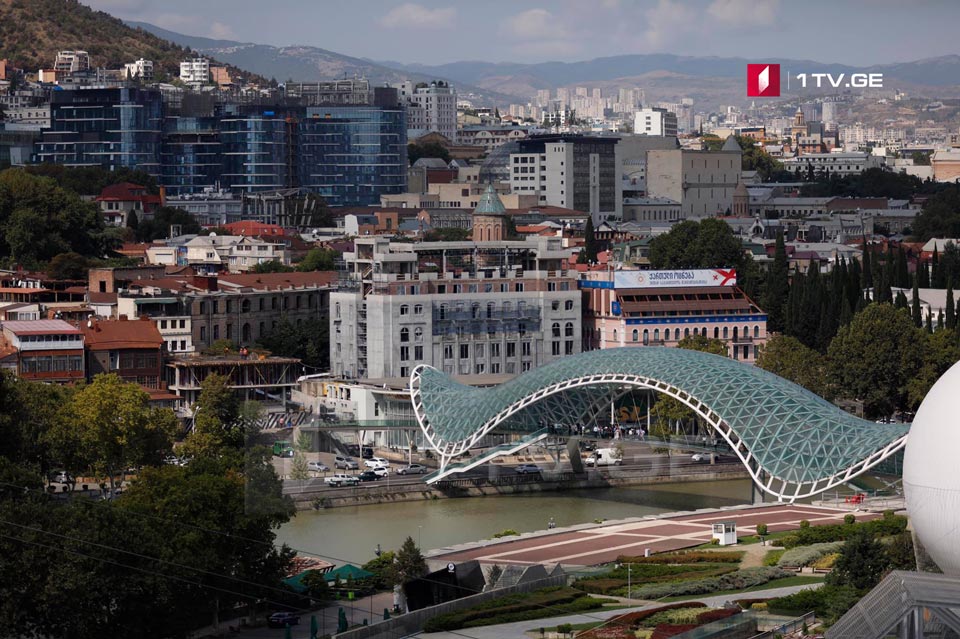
(341, 479)
(701, 457)
(376, 462)
(380, 471)
(527, 469)
(318, 467)
(367, 452)
(346, 463)
(61, 477)
(171, 460)
(368, 475)
(283, 619)
(412, 469)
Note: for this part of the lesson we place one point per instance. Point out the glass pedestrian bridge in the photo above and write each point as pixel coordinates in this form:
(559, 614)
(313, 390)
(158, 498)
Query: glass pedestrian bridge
(794, 443)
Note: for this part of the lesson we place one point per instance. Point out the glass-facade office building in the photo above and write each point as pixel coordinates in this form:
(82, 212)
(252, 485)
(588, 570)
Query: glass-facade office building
(112, 128)
(349, 154)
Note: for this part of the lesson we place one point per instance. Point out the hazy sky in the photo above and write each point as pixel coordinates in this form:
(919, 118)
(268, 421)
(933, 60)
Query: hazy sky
(857, 32)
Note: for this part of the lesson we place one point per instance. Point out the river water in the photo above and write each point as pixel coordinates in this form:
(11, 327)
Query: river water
(351, 534)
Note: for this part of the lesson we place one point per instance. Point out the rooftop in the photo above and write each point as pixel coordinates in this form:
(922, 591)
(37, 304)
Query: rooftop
(41, 327)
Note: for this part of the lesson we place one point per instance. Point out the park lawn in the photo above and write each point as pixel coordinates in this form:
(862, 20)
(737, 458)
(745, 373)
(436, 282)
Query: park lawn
(799, 580)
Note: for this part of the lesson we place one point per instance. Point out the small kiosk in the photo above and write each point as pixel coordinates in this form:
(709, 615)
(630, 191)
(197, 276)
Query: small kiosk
(725, 532)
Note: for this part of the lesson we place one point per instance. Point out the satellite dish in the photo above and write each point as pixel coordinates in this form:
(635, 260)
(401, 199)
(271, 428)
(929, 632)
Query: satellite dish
(89, 323)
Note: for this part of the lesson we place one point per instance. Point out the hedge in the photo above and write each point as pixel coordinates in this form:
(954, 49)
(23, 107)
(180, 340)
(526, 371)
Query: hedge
(687, 557)
(738, 580)
(606, 584)
(548, 602)
(772, 558)
(806, 555)
(889, 525)
(665, 630)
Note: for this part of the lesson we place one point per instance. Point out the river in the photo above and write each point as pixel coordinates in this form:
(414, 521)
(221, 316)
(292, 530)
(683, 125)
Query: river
(351, 534)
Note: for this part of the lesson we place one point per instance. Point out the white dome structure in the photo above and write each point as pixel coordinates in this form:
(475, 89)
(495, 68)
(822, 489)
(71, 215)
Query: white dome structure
(931, 480)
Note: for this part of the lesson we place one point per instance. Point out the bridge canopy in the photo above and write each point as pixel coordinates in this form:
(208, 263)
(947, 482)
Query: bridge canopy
(794, 442)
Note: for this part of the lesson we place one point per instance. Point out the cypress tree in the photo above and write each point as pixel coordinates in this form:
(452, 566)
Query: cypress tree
(901, 301)
(589, 242)
(940, 319)
(929, 324)
(951, 317)
(936, 277)
(924, 274)
(846, 312)
(917, 319)
(867, 281)
(902, 274)
(777, 288)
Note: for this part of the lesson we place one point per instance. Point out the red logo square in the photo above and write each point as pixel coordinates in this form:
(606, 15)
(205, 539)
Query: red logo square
(763, 80)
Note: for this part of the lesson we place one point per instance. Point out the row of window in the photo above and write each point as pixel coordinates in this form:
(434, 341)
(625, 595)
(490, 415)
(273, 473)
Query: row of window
(479, 368)
(229, 306)
(52, 364)
(717, 333)
(526, 348)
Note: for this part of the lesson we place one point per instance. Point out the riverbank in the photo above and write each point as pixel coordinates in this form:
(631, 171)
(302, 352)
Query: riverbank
(316, 496)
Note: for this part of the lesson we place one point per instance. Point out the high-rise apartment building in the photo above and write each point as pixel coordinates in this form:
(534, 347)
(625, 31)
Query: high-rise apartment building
(655, 121)
(195, 72)
(573, 171)
(139, 70)
(431, 107)
(71, 62)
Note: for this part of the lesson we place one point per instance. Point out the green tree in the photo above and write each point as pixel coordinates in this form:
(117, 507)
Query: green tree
(427, 150)
(920, 158)
(874, 357)
(109, 426)
(381, 567)
(938, 351)
(862, 562)
(298, 469)
(915, 304)
(951, 317)
(216, 419)
(309, 341)
(319, 259)
(777, 288)
(447, 235)
(697, 342)
(164, 218)
(272, 266)
(317, 586)
(409, 563)
(588, 254)
(787, 357)
(68, 266)
(709, 243)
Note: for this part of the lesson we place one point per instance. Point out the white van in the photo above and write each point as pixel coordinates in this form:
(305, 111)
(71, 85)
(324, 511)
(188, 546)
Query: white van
(604, 457)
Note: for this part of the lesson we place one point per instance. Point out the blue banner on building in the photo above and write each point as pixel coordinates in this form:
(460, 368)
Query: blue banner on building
(615, 308)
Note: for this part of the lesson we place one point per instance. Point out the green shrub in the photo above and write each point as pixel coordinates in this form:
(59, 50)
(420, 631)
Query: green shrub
(509, 532)
(762, 529)
(828, 602)
(849, 518)
(888, 526)
(674, 616)
(547, 602)
(686, 557)
(804, 524)
(772, 558)
(615, 581)
(737, 580)
(806, 555)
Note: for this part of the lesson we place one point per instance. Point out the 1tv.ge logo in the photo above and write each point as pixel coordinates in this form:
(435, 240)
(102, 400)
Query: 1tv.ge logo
(763, 80)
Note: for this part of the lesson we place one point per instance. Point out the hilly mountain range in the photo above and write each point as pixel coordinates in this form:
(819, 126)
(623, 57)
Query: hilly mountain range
(710, 81)
(305, 63)
(32, 31)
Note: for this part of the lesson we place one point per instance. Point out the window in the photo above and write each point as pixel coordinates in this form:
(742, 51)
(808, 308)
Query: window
(522, 328)
(448, 351)
(716, 332)
(443, 311)
(216, 332)
(418, 334)
(490, 309)
(495, 368)
(555, 305)
(478, 350)
(404, 353)
(404, 334)
(404, 309)
(646, 337)
(418, 309)
(568, 305)
(756, 332)
(725, 332)
(556, 329)
(203, 333)
(686, 332)
(568, 329)
(656, 334)
(511, 349)
(418, 353)
(525, 351)
(555, 348)
(495, 349)
(525, 366)
(635, 335)
(568, 350)
(519, 288)
(464, 351)
(614, 334)
(404, 372)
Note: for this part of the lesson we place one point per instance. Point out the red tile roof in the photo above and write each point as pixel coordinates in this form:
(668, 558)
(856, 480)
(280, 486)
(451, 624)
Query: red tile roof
(275, 281)
(113, 334)
(254, 228)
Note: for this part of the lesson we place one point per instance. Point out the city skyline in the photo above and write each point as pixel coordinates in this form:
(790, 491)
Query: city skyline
(437, 32)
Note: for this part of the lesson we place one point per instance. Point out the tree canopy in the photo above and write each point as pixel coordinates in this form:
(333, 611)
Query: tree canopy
(158, 227)
(416, 151)
(709, 243)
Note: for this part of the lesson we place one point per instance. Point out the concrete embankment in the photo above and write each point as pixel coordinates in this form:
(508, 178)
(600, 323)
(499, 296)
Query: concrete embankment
(310, 497)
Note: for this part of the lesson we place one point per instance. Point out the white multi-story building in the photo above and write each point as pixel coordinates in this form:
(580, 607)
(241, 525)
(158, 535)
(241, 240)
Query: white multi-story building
(836, 163)
(36, 115)
(430, 107)
(141, 70)
(655, 121)
(71, 62)
(195, 72)
(573, 171)
(213, 253)
(498, 307)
